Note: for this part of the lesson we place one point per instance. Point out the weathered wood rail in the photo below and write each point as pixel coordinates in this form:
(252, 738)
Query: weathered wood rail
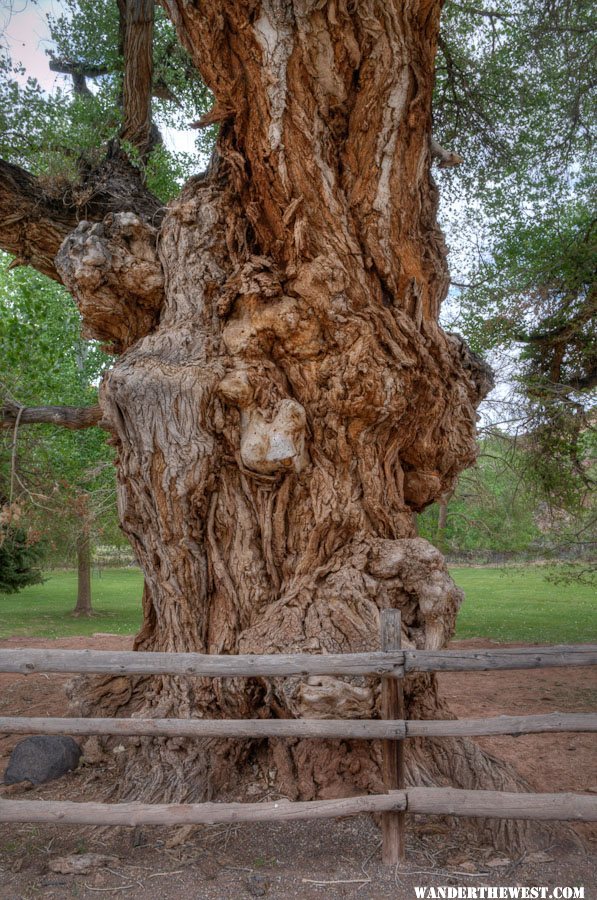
(442, 801)
(391, 664)
(358, 729)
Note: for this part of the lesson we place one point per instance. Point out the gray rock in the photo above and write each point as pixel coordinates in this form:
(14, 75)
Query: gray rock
(42, 758)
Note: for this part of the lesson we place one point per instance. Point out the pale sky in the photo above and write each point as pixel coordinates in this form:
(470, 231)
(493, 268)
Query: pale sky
(24, 29)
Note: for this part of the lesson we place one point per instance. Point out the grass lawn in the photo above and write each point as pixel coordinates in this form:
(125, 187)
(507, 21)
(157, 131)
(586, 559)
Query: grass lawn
(44, 610)
(504, 604)
(518, 604)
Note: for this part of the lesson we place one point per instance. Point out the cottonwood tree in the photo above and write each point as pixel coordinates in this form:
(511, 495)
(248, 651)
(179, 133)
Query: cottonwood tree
(283, 398)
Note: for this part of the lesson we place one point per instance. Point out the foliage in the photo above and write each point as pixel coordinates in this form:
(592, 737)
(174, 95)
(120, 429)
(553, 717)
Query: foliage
(45, 361)
(57, 134)
(20, 556)
(492, 507)
(501, 505)
(515, 94)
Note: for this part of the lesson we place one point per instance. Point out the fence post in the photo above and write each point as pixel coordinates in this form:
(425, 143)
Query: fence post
(392, 707)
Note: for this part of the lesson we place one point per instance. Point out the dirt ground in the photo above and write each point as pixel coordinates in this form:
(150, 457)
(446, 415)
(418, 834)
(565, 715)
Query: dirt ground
(333, 858)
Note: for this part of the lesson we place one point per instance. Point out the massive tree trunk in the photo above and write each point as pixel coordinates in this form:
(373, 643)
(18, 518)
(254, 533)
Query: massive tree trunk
(297, 401)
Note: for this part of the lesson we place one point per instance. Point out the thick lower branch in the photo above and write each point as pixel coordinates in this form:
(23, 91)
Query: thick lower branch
(73, 417)
(36, 214)
(33, 223)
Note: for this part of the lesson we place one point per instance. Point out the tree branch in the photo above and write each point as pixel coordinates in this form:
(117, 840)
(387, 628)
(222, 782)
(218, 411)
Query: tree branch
(70, 67)
(447, 158)
(73, 417)
(137, 17)
(81, 70)
(485, 13)
(36, 215)
(33, 223)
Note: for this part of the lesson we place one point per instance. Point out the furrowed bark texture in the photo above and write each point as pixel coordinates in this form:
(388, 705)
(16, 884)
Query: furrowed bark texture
(37, 214)
(297, 401)
(137, 18)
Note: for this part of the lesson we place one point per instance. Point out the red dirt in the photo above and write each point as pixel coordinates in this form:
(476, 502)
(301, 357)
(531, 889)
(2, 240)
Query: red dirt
(285, 861)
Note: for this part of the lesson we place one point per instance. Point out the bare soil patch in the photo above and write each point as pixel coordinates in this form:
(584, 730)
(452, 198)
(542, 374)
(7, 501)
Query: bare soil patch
(338, 858)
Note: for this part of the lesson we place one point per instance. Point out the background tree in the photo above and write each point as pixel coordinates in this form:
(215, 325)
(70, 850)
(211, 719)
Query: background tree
(20, 552)
(520, 218)
(524, 205)
(62, 481)
(501, 507)
(283, 398)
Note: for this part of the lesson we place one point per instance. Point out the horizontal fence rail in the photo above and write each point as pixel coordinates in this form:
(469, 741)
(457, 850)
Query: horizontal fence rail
(394, 663)
(71, 813)
(432, 801)
(507, 658)
(566, 807)
(365, 729)
(391, 664)
(132, 662)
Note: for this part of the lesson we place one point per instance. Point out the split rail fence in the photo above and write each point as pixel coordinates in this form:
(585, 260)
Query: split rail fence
(391, 664)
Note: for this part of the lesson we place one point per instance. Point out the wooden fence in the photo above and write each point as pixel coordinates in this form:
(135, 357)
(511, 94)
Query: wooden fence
(392, 663)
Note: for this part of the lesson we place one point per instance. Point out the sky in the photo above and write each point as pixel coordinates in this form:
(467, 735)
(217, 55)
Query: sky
(24, 30)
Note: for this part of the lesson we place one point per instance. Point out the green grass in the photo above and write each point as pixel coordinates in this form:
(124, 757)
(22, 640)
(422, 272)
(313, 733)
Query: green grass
(44, 610)
(518, 604)
(504, 604)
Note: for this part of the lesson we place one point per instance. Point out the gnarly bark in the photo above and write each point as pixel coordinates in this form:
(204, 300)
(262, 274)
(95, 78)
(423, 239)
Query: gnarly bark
(297, 401)
(37, 214)
(33, 223)
(114, 274)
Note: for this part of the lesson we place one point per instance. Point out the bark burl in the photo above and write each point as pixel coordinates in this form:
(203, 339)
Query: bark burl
(285, 399)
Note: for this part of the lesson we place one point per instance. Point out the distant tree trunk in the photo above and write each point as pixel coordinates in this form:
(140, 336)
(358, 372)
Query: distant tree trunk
(83, 607)
(83, 514)
(287, 399)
